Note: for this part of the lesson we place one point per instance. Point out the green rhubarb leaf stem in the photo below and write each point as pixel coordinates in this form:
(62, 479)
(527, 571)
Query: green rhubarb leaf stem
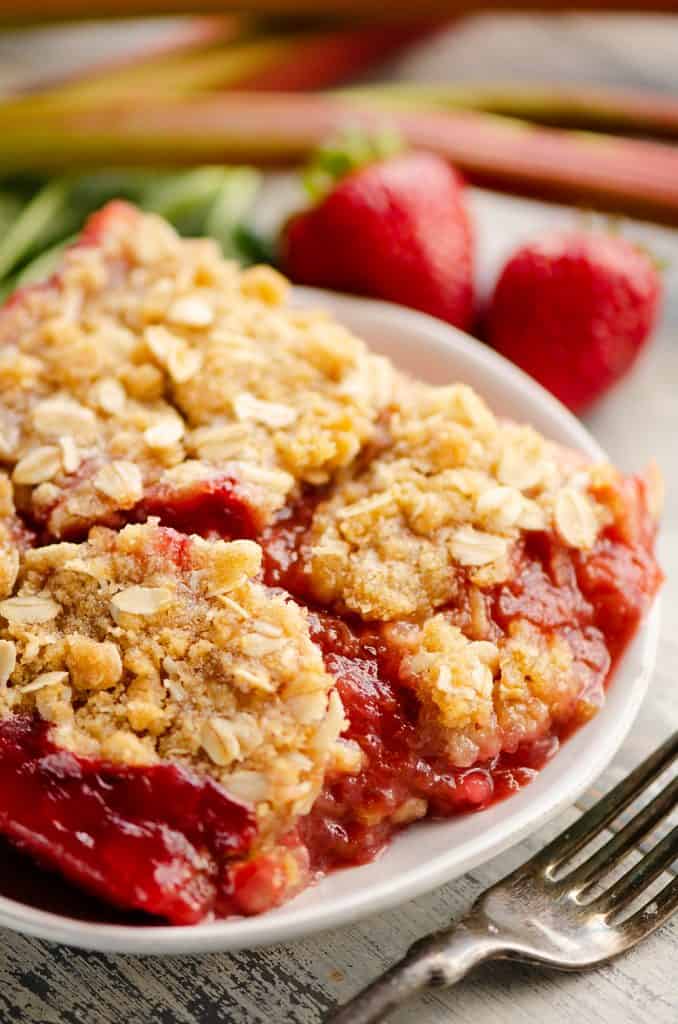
(230, 208)
(604, 172)
(47, 216)
(44, 265)
(186, 198)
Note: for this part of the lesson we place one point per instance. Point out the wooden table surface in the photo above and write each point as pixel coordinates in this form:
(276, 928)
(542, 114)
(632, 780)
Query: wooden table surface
(45, 984)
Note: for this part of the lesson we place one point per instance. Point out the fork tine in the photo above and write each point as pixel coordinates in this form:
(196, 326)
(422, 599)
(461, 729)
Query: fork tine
(569, 842)
(622, 842)
(653, 914)
(637, 878)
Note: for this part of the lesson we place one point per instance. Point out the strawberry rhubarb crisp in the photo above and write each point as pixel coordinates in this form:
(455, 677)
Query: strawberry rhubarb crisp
(263, 599)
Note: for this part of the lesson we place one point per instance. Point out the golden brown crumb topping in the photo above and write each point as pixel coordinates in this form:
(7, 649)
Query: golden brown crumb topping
(478, 697)
(10, 538)
(443, 507)
(152, 359)
(145, 644)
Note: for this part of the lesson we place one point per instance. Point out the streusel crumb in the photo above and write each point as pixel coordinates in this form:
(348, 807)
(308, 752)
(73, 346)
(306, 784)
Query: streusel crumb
(147, 645)
(14, 537)
(478, 697)
(149, 360)
(444, 506)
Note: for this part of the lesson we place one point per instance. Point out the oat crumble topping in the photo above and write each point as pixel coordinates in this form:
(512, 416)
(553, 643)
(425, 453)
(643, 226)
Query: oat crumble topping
(150, 359)
(479, 697)
(145, 645)
(443, 507)
(13, 537)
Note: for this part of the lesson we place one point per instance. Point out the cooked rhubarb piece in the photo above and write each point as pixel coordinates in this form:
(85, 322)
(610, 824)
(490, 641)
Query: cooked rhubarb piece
(398, 773)
(148, 360)
(211, 506)
(154, 837)
(172, 681)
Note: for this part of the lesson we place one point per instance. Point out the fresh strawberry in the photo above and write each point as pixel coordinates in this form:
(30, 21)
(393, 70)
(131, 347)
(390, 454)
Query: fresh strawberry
(574, 310)
(397, 229)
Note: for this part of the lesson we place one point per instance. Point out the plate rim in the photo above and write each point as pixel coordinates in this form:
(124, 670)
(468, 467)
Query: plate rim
(245, 933)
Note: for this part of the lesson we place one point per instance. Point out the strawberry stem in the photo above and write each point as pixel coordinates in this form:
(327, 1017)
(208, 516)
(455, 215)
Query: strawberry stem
(44, 218)
(347, 152)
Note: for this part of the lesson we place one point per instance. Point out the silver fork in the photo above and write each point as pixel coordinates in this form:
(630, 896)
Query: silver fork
(545, 913)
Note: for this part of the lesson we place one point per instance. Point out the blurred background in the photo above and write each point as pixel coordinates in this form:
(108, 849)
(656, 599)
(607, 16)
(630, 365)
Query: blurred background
(609, 49)
(209, 118)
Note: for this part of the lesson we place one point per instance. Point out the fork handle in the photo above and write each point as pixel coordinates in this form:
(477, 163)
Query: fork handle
(436, 961)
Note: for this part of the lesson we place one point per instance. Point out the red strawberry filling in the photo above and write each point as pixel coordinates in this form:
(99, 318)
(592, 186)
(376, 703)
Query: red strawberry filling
(214, 507)
(163, 840)
(157, 838)
(401, 779)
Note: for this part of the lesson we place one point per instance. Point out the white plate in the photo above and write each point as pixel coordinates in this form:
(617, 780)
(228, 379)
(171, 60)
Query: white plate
(432, 852)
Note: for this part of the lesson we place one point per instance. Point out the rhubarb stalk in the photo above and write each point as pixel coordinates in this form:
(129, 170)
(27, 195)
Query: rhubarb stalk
(603, 172)
(626, 111)
(295, 61)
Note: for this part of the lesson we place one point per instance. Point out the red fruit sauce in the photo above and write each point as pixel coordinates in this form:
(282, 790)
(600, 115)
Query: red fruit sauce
(155, 837)
(215, 507)
(351, 819)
